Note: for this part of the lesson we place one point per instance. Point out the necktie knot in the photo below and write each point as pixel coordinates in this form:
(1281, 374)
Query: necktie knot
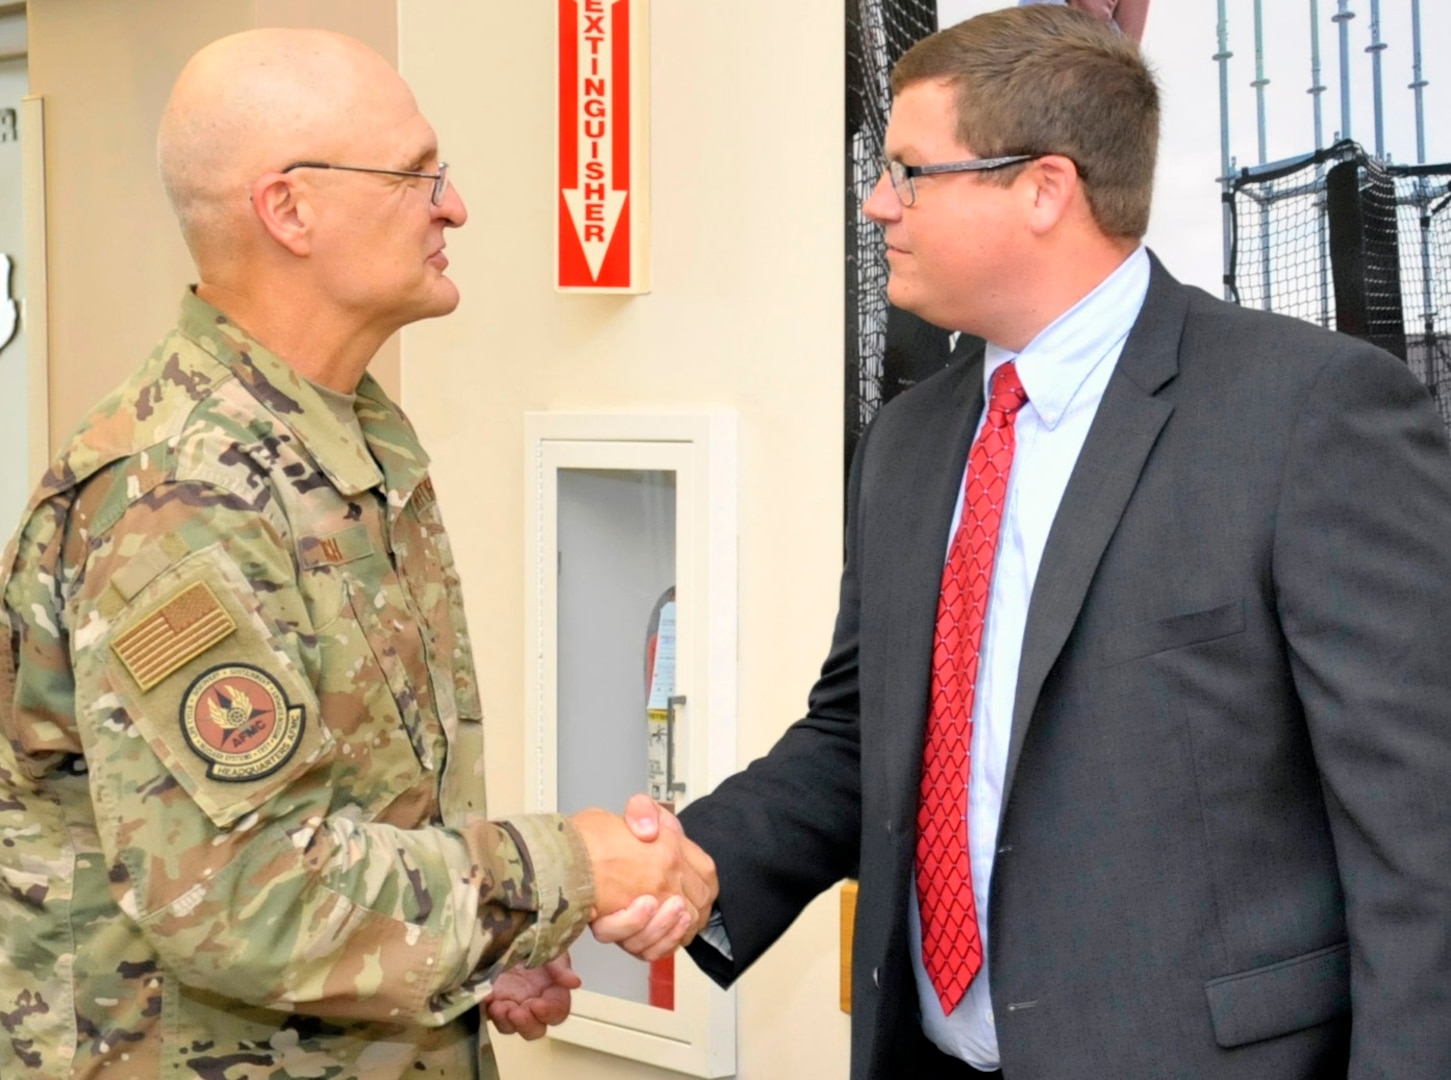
(1006, 395)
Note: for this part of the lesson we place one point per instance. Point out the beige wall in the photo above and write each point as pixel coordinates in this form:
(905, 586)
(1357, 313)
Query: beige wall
(15, 471)
(747, 312)
(116, 263)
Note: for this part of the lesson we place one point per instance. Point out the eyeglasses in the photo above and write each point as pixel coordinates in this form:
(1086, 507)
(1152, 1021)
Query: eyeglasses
(903, 175)
(440, 178)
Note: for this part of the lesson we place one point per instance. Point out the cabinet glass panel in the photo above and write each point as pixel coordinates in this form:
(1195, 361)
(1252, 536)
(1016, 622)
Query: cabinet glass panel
(616, 535)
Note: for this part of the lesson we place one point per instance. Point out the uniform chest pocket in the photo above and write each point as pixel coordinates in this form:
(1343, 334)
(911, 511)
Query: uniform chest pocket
(1175, 632)
(372, 693)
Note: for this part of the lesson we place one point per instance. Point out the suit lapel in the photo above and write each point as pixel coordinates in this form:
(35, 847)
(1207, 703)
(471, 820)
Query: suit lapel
(920, 509)
(1123, 432)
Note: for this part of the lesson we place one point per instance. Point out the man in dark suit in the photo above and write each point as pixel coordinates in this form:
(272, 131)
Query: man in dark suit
(1196, 757)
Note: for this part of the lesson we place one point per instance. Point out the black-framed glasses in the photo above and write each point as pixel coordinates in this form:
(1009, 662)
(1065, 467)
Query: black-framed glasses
(440, 178)
(902, 176)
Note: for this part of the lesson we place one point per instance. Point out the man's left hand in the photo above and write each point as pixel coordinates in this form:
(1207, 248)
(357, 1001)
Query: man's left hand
(528, 1001)
(1102, 9)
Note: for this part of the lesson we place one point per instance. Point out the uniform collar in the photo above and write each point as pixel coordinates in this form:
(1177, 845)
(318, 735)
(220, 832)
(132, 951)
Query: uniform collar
(351, 465)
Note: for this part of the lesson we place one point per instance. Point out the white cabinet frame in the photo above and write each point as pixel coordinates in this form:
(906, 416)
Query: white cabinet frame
(697, 1037)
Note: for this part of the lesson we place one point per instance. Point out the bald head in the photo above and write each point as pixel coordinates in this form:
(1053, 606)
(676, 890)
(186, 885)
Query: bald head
(255, 102)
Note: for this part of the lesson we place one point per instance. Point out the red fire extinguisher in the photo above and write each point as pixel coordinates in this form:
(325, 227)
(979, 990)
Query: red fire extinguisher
(659, 718)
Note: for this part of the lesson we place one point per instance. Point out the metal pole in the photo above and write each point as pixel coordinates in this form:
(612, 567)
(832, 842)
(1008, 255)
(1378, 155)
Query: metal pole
(1226, 170)
(1418, 83)
(1316, 87)
(1423, 196)
(1260, 81)
(1267, 279)
(1343, 17)
(1316, 90)
(1423, 204)
(1375, 48)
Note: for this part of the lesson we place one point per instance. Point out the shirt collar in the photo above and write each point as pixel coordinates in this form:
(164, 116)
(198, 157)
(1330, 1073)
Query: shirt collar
(1055, 364)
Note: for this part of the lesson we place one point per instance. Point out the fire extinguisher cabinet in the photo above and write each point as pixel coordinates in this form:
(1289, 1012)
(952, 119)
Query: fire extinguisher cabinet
(630, 676)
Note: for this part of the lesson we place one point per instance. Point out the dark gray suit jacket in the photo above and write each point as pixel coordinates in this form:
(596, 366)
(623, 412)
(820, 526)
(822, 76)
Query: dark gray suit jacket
(1225, 848)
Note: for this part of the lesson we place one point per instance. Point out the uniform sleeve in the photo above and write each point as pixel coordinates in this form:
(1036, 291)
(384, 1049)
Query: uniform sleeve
(252, 845)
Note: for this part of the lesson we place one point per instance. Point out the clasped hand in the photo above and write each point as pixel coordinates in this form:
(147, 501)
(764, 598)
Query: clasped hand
(654, 891)
(654, 887)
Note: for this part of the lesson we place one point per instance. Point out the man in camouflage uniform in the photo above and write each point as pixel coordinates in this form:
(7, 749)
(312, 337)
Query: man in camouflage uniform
(241, 826)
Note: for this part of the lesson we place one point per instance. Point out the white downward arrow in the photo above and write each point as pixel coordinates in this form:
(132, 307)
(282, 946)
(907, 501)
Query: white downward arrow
(595, 235)
(594, 204)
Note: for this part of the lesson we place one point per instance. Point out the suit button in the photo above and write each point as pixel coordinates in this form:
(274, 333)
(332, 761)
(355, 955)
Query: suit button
(876, 978)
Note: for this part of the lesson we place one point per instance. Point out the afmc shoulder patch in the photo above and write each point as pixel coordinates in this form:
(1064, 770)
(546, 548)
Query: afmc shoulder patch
(236, 718)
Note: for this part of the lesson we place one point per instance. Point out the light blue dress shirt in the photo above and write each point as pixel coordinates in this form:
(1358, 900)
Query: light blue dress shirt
(1064, 370)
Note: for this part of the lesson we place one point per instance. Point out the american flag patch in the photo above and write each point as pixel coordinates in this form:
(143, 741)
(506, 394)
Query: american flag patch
(184, 627)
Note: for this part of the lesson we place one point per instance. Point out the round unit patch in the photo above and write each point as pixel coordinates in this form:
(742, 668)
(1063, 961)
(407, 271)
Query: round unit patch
(236, 718)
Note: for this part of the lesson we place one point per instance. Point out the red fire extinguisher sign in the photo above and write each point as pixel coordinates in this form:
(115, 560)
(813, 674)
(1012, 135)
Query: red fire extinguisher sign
(602, 206)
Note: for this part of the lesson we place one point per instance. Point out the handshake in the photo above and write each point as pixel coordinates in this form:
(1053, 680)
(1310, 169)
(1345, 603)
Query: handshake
(654, 888)
(654, 891)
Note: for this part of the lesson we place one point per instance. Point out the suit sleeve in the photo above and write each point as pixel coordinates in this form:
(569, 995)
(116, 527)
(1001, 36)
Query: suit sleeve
(789, 825)
(1362, 564)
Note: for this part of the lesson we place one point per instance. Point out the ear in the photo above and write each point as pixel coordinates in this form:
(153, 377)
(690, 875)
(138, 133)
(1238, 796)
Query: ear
(283, 212)
(1055, 189)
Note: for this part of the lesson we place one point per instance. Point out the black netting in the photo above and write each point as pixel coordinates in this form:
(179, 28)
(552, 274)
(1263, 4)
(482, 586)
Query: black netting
(1365, 261)
(878, 32)
(1353, 244)
(1280, 258)
(1423, 201)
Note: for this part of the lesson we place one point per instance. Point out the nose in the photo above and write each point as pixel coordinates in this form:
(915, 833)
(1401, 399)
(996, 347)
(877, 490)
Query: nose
(882, 204)
(452, 209)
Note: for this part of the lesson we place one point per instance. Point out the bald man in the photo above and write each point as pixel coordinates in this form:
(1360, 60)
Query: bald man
(241, 824)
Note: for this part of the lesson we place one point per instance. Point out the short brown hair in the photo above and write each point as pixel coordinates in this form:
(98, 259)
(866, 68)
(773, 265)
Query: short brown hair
(1045, 78)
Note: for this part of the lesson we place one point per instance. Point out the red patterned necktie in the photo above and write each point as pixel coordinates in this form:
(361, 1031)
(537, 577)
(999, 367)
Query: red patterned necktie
(951, 946)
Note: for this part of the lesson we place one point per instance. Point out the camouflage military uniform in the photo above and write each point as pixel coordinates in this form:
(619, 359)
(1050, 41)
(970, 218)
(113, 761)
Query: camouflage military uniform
(240, 791)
